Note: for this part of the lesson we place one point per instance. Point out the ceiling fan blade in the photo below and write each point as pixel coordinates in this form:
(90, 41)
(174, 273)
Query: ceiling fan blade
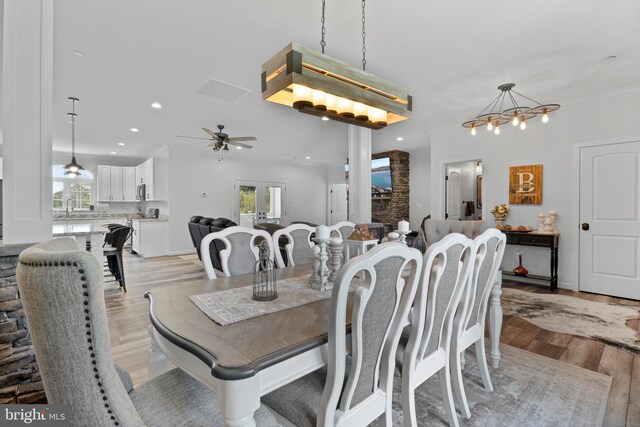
(238, 144)
(193, 137)
(212, 133)
(242, 138)
(213, 144)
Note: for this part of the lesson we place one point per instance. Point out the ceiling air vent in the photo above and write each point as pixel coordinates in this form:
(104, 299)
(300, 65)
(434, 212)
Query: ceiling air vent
(222, 90)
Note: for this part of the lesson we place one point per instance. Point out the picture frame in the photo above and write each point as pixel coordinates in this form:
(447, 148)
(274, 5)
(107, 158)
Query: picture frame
(525, 185)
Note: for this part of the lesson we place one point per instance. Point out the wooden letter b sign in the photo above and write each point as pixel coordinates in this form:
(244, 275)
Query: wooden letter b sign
(525, 185)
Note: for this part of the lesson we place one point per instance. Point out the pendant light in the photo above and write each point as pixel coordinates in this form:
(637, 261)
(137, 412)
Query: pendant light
(517, 114)
(317, 84)
(73, 169)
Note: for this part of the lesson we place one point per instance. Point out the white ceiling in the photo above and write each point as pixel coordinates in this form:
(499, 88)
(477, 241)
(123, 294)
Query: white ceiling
(452, 54)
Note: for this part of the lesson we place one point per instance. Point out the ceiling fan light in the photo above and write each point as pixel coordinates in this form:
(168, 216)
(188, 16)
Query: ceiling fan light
(302, 96)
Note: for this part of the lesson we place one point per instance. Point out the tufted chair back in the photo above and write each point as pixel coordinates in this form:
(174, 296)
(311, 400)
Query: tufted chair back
(62, 293)
(435, 229)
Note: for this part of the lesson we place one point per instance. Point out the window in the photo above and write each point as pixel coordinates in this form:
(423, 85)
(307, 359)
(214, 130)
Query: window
(77, 189)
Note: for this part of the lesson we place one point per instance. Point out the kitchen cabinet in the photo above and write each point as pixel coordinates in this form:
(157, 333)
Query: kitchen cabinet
(116, 184)
(150, 238)
(154, 174)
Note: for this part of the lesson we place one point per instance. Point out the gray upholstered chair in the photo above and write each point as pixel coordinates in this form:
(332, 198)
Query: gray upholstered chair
(356, 391)
(435, 229)
(298, 244)
(469, 323)
(425, 349)
(240, 253)
(63, 296)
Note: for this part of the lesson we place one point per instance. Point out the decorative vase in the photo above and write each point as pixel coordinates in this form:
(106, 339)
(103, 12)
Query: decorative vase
(500, 222)
(520, 270)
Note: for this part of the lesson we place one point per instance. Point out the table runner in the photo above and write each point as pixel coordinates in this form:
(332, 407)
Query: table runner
(234, 305)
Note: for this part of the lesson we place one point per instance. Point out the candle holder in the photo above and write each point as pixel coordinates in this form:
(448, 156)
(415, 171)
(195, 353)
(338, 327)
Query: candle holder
(335, 248)
(403, 234)
(320, 274)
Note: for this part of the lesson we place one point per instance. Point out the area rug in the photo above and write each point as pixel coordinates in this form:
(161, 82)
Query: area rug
(599, 321)
(529, 390)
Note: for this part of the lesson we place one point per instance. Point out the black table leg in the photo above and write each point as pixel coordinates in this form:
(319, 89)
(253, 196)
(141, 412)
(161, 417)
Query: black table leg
(555, 270)
(552, 268)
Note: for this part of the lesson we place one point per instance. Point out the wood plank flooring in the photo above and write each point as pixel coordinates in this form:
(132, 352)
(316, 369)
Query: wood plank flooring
(128, 323)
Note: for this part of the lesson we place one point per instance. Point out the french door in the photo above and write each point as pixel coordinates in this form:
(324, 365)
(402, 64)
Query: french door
(610, 219)
(257, 202)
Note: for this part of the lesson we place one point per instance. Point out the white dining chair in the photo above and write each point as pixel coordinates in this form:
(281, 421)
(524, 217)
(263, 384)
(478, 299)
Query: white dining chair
(469, 323)
(342, 229)
(381, 304)
(298, 246)
(240, 253)
(445, 272)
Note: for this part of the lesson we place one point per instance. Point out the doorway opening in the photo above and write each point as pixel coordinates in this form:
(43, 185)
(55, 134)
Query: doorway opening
(463, 190)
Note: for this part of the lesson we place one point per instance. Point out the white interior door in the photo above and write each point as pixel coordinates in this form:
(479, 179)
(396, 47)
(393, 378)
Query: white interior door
(257, 202)
(610, 221)
(338, 203)
(454, 200)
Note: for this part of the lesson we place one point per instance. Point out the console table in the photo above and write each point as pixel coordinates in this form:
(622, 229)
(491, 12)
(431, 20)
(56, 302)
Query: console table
(538, 240)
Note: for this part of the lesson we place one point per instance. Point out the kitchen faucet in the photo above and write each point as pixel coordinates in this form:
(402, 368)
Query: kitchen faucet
(67, 210)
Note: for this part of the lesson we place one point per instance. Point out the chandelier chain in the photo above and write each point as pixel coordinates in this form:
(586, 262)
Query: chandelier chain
(324, 31)
(364, 38)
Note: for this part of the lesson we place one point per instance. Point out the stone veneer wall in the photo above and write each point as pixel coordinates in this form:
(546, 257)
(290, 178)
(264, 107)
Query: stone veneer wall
(397, 207)
(20, 380)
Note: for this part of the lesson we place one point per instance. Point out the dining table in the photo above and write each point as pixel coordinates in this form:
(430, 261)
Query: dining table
(247, 359)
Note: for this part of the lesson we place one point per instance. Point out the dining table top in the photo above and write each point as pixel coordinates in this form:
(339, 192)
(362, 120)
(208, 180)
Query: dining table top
(239, 350)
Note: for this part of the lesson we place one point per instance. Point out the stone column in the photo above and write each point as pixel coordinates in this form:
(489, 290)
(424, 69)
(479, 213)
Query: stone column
(26, 111)
(359, 174)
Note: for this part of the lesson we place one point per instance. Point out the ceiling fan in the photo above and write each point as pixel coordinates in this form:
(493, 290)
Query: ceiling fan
(220, 141)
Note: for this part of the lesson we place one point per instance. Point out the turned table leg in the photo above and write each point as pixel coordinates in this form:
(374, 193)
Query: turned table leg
(158, 362)
(495, 320)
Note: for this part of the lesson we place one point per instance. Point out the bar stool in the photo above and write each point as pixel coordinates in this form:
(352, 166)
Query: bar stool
(116, 239)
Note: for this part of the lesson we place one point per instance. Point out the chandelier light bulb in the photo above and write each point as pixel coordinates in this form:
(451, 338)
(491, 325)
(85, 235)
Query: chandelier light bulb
(523, 124)
(515, 121)
(473, 130)
(545, 116)
(497, 131)
(490, 125)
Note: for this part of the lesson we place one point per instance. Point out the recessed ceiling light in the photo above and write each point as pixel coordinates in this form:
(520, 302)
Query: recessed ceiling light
(113, 152)
(120, 143)
(78, 53)
(238, 148)
(611, 57)
(399, 138)
(156, 105)
(134, 130)
(325, 118)
(307, 157)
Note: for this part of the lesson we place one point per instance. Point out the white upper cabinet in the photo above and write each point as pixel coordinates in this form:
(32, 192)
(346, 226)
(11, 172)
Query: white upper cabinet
(116, 184)
(154, 174)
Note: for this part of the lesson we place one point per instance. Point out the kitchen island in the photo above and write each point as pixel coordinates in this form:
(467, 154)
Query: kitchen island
(83, 233)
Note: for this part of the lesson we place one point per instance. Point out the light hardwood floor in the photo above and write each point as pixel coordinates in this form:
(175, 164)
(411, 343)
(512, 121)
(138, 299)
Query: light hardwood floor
(128, 322)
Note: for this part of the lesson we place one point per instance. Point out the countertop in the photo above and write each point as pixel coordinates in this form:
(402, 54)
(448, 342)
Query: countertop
(76, 230)
(89, 220)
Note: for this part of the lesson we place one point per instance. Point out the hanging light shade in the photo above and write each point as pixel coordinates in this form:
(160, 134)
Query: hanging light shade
(317, 84)
(73, 169)
(516, 114)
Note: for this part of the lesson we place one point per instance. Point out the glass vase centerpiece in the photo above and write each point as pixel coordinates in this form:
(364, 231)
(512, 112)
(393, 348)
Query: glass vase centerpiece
(500, 213)
(264, 276)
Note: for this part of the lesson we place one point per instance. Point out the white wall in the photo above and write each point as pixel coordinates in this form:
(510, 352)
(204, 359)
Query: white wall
(610, 118)
(419, 186)
(193, 171)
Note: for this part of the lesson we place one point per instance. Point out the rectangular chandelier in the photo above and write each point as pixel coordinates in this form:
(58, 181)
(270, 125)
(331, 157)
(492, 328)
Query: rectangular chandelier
(314, 83)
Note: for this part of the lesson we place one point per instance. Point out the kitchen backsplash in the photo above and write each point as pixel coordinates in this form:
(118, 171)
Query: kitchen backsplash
(111, 210)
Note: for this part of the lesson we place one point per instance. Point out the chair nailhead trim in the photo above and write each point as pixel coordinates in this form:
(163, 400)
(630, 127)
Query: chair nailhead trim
(87, 325)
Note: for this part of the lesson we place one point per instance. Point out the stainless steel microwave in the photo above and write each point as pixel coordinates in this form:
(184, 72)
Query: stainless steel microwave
(141, 192)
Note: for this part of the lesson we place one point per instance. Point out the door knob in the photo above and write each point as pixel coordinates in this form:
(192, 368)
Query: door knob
(585, 226)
